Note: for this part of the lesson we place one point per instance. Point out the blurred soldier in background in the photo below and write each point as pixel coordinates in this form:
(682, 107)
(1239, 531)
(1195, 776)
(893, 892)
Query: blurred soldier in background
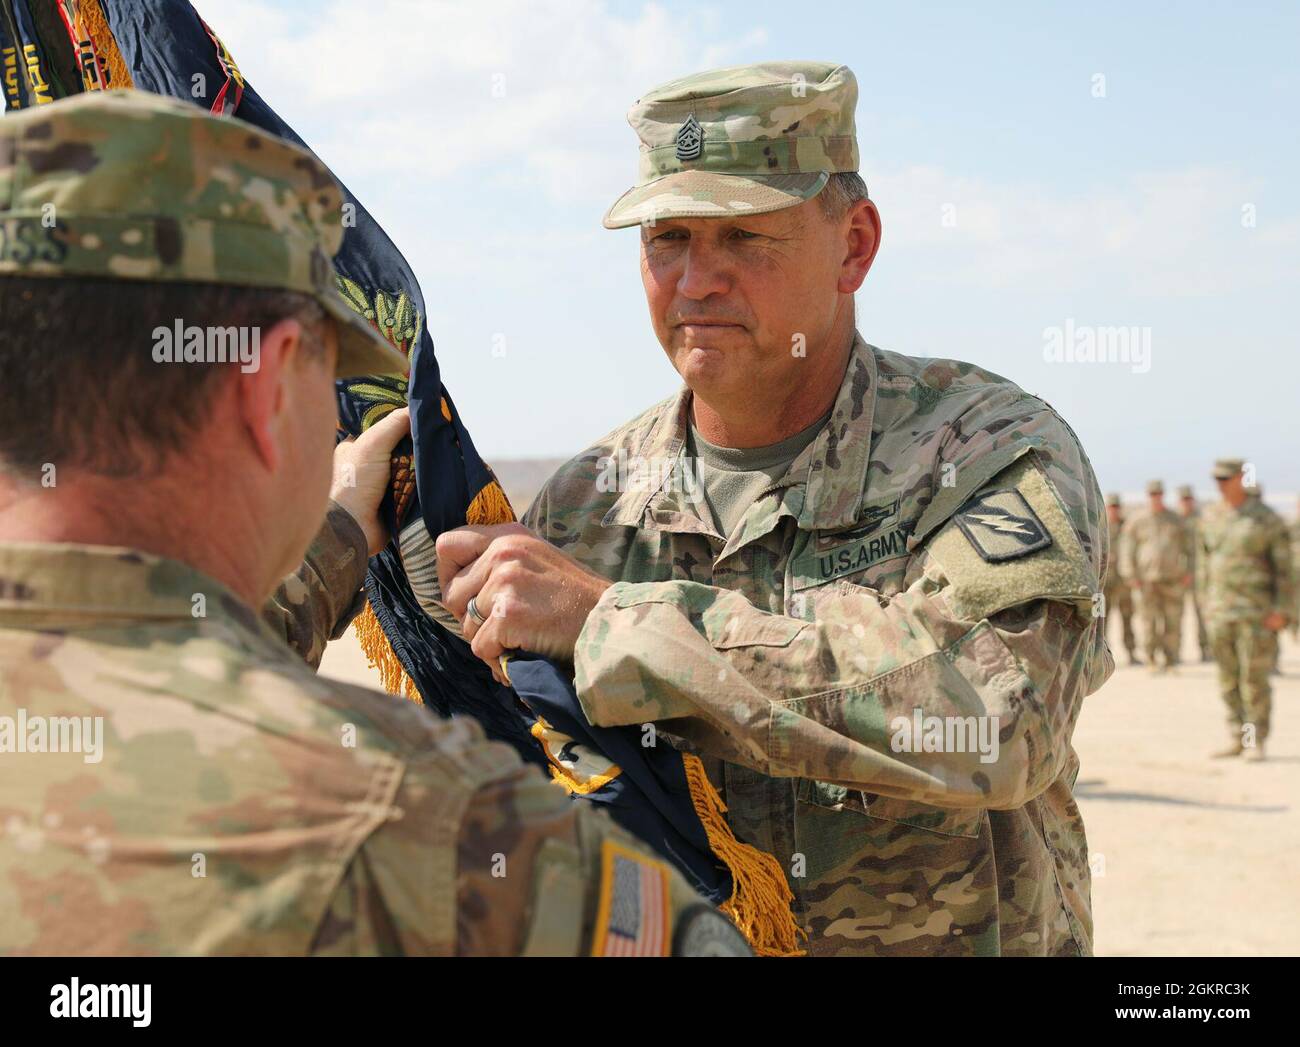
(1295, 567)
(1191, 514)
(1244, 578)
(1155, 563)
(1118, 595)
(1256, 492)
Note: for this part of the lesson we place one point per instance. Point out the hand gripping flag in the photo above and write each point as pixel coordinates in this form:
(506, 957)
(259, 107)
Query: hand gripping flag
(58, 47)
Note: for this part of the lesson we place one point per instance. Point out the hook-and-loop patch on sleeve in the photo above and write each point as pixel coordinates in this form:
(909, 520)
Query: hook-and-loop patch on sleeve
(1009, 543)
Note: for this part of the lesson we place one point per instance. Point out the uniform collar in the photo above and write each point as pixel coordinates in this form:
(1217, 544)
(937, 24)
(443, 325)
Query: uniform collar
(49, 585)
(826, 479)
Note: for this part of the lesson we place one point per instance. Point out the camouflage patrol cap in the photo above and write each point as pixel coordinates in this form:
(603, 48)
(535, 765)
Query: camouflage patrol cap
(1186, 491)
(133, 186)
(1114, 499)
(1155, 487)
(740, 141)
(1227, 468)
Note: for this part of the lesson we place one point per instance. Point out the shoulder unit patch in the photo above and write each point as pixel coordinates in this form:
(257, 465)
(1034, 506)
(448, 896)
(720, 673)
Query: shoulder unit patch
(1002, 526)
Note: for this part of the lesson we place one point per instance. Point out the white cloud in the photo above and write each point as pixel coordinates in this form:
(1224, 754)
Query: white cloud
(406, 87)
(403, 97)
(1174, 233)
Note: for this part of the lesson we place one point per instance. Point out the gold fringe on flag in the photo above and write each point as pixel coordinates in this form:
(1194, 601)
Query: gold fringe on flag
(760, 899)
(96, 26)
(490, 506)
(379, 653)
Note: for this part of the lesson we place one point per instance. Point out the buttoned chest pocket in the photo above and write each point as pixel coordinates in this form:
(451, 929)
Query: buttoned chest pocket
(944, 821)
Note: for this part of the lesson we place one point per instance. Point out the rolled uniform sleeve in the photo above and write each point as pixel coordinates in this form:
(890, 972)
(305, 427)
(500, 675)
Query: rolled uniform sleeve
(317, 602)
(1012, 645)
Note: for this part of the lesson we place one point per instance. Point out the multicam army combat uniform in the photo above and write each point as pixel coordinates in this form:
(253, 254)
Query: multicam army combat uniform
(240, 804)
(1154, 560)
(1244, 573)
(852, 594)
(1118, 592)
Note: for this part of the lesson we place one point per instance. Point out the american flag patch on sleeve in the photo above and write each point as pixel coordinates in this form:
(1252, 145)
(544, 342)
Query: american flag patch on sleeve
(632, 918)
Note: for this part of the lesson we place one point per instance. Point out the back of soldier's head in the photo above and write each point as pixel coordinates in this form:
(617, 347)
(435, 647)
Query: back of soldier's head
(145, 248)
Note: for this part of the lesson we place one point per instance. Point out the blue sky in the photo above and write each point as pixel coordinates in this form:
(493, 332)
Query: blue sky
(1063, 207)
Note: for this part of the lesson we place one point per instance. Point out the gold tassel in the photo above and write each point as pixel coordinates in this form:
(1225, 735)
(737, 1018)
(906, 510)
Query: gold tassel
(92, 17)
(490, 506)
(760, 899)
(379, 653)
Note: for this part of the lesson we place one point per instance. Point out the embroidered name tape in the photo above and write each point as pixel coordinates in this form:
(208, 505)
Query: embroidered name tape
(876, 537)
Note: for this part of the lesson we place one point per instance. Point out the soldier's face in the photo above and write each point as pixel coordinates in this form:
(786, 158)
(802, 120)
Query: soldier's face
(1231, 488)
(742, 305)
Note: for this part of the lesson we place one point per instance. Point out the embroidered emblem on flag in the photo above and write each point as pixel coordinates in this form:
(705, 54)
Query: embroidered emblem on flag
(633, 915)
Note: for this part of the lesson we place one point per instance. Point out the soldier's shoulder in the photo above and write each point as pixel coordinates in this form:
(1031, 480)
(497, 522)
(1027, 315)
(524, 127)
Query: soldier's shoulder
(1268, 514)
(940, 378)
(932, 393)
(281, 693)
(224, 676)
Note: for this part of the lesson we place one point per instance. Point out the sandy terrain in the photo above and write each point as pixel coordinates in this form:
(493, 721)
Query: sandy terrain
(1191, 856)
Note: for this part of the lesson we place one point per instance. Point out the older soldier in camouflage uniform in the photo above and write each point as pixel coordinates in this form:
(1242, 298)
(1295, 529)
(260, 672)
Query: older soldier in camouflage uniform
(1118, 593)
(1155, 563)
(885, 556)
(1191, 515)
(222, 799)
(1244, 577)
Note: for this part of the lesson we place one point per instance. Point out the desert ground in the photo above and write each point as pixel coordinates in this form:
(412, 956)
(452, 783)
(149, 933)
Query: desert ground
(1191, 855)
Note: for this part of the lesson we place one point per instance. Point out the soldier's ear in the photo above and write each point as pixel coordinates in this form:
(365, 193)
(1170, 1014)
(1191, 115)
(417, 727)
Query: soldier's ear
(262, 394)
(862, 241)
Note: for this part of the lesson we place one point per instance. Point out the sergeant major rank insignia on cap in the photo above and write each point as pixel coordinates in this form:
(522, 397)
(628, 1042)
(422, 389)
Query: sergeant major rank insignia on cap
(1002, 526)
(690, 140)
